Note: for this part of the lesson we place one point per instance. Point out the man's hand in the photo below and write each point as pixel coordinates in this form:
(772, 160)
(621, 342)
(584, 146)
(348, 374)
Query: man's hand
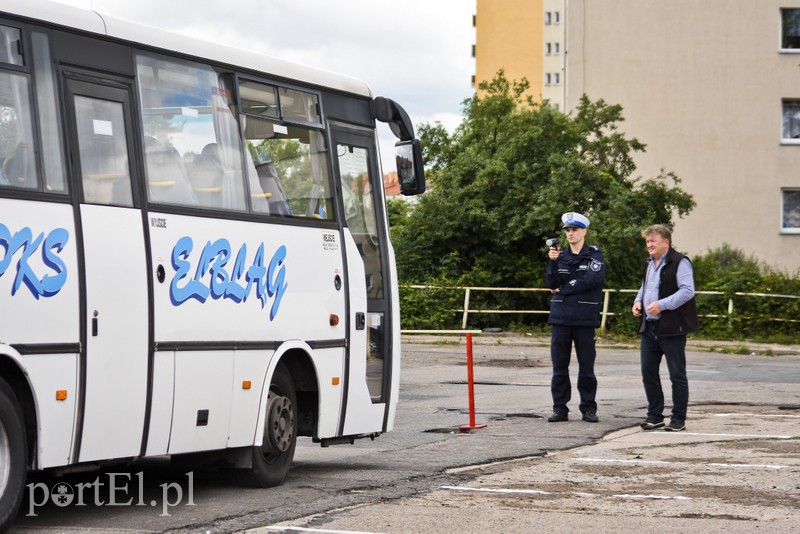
(552, 253)
(637, 309)
(654, 308)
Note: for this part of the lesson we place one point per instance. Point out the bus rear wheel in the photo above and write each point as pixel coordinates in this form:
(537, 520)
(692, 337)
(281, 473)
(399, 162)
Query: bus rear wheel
(12, 456)
(272, 460)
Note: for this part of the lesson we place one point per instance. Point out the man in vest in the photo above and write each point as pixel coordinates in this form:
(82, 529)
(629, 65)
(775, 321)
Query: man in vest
(575, 276)
(666, 306)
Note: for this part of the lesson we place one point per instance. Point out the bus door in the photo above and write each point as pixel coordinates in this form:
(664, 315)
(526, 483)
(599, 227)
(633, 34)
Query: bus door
(369, 364)
(114, 299)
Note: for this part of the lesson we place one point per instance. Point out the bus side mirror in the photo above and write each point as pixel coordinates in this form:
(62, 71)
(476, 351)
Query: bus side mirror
(410, 172)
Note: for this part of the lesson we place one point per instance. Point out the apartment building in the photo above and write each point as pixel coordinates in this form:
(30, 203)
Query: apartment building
(712, 88)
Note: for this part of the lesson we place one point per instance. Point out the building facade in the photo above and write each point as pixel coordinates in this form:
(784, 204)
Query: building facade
(712, 88)
(504, 40)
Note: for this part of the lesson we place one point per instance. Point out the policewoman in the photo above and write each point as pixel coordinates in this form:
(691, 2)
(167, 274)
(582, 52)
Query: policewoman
(575, 276)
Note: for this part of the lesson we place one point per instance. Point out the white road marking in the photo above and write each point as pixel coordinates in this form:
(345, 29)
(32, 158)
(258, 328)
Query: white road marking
(765, 466)
(606, 460)
(755, 415)
(663, 462)
(288, 528)
(732, 436)
(497, 490)
(540, 492)
(657, 497)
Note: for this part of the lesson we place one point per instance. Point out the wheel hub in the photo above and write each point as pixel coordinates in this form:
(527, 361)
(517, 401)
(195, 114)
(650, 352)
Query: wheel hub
(279, 424)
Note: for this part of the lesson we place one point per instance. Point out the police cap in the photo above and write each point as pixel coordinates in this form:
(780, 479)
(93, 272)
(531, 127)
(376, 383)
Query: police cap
(574, 220)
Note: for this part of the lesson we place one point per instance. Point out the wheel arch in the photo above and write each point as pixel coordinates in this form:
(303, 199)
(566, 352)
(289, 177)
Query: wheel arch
(296, 358)
(13, 374)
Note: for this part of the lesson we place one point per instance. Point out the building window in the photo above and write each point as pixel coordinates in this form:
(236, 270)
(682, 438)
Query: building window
(791, 121)
(556, 17)
(790, 29)
(556, 79)
(548, 17)
(790, 211)
(547, 78)
(556, 48)
(547, 48)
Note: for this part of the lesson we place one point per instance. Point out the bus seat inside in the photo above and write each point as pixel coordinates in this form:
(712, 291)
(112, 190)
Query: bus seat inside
(206, 176)
(167, 180)
(18, 168)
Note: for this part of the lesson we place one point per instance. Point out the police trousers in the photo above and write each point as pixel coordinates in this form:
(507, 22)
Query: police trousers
(561, 341)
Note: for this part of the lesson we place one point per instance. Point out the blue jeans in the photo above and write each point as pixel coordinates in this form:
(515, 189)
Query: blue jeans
(674, 349)
(561, 341)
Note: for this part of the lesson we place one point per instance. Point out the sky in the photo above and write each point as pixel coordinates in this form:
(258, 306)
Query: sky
(416, 52)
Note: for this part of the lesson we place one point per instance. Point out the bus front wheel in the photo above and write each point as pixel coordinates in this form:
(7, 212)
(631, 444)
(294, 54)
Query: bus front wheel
(272, 460)
(12, 456)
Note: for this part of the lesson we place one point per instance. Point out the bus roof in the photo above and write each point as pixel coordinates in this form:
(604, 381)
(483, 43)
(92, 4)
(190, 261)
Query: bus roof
(91, 21)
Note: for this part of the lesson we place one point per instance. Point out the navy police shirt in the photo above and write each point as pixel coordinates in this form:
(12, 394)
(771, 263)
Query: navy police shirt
(579, 279)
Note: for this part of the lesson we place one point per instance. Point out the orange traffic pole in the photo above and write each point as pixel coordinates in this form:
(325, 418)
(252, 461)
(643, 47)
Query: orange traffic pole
(471, 390)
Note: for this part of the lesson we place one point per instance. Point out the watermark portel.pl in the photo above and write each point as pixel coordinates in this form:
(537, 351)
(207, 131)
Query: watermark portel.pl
(117, 494)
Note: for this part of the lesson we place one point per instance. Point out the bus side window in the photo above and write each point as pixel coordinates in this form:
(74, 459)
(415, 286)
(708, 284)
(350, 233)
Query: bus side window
(16, 132)
(186, 106)
(291, 164)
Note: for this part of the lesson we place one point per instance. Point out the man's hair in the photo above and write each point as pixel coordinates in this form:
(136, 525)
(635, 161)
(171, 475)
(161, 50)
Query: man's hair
(660, 229)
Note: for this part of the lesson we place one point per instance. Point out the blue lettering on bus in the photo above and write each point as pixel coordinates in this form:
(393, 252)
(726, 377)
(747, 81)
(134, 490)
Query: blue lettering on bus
(212, 277)
(51, 246)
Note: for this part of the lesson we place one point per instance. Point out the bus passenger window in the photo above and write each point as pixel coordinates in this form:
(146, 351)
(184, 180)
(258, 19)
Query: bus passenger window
(291, 168)
(17, 156)
(9, 46)
(186, 107)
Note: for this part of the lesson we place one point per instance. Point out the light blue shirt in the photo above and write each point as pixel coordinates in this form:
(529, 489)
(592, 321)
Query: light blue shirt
(648, 293)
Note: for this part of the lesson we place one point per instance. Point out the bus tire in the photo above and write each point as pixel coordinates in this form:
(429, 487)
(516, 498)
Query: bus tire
(12, 456)
(272, 460)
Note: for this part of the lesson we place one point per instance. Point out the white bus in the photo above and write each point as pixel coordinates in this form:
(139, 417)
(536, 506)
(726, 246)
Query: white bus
(194, 250)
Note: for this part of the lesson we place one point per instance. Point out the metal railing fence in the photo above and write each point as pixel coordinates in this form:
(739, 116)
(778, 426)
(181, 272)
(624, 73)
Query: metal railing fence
(467, 310)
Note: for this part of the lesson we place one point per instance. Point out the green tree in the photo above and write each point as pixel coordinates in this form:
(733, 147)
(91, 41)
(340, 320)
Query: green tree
(501, 181)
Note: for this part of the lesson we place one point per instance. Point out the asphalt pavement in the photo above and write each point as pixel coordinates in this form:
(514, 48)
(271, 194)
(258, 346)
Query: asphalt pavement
(522, 474)
(402, 481)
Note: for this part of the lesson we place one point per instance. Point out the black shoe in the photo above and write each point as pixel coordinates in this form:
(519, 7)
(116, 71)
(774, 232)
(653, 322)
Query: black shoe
(557, 417)
(675, 426)
(590, 417)
(651, 424)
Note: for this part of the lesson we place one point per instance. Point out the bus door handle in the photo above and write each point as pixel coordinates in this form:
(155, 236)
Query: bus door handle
(361, 320)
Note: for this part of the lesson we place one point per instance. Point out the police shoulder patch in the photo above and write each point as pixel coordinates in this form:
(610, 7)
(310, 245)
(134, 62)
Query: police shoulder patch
(595, 265)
